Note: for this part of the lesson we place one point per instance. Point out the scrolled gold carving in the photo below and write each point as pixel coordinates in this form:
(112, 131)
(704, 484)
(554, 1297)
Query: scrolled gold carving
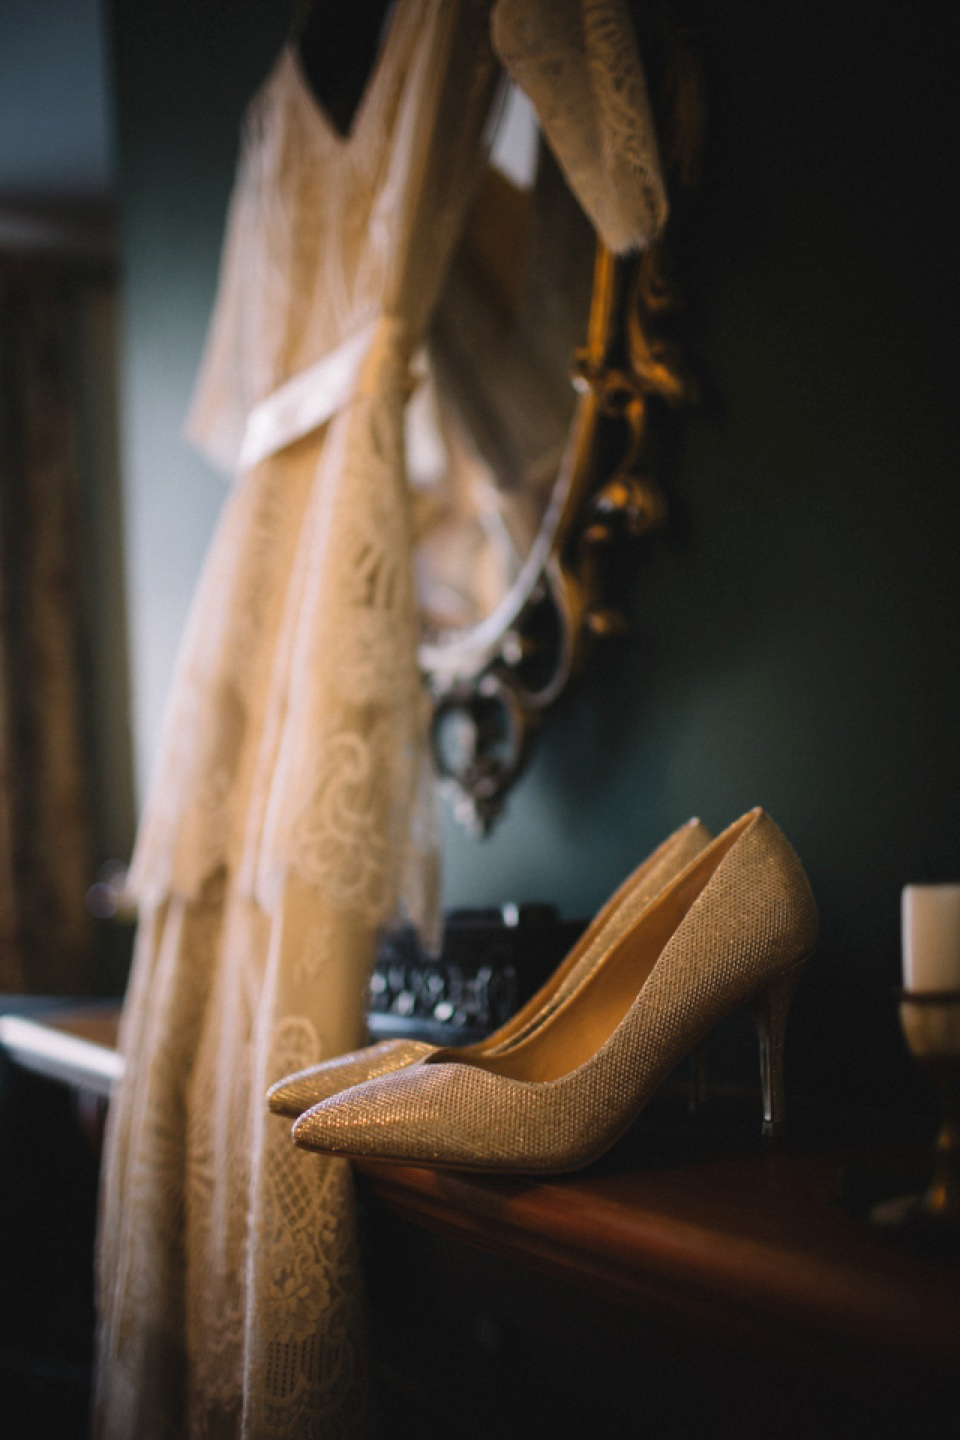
(607, 492)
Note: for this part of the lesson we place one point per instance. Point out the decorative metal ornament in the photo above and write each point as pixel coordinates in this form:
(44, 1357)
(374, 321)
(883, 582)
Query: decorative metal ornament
(491, 684)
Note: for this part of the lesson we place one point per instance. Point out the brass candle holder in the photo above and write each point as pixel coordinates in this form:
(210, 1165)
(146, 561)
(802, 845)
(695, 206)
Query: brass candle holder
(931, 1024)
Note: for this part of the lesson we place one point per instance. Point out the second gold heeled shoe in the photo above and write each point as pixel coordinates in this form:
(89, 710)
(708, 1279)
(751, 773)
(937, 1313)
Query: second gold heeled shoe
(735, 927)
(301, 1091)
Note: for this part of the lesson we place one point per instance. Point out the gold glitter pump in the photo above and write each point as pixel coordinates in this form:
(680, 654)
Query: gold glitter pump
(735, 927)
(306, 1088)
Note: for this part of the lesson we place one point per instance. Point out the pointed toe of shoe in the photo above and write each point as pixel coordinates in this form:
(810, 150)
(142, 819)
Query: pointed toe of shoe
(451, 1116)
(369, 1120)
(306, 1088)
(426, 1114)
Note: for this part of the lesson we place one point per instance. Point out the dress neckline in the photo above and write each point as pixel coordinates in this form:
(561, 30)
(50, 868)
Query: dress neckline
(343, 140)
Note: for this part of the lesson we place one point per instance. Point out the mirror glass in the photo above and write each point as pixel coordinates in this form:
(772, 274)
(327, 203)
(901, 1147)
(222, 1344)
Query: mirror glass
(489, 421)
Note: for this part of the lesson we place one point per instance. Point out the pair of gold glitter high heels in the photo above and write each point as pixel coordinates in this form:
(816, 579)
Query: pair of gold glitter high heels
(702, 928)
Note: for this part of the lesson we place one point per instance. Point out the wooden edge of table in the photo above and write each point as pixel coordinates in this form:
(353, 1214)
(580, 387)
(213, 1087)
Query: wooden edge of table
(604, 1234)
(619, 1233)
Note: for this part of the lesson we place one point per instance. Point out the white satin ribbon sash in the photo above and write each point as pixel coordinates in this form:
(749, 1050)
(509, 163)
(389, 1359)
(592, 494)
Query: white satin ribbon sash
(310, 398)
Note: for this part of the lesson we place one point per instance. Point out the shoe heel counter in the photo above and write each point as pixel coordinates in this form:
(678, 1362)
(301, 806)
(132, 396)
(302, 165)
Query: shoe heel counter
(797, 919)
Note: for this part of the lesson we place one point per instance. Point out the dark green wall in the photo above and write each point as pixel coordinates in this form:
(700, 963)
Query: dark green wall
(797, 629)
(184, 71)
(795, 637)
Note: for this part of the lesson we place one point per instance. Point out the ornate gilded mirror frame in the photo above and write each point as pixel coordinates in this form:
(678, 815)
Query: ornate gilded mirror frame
(490, 685)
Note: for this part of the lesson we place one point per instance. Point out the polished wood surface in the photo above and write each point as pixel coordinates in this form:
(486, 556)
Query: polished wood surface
(77, 1046)
(701, 1220)
(709, 1224)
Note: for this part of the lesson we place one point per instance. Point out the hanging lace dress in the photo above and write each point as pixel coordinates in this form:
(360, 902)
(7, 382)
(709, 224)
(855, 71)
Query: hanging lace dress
(282, 824)
(274, 838)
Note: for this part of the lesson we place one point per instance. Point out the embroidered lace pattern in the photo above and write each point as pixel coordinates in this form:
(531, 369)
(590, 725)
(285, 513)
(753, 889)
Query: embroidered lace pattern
(577, 60)
(283, 820)
(287, 818)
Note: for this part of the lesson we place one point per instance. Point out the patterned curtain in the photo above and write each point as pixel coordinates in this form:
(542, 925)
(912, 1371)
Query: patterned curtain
(46, 849)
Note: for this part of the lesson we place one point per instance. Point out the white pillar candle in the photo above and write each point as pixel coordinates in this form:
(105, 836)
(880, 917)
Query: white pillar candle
(930, 917)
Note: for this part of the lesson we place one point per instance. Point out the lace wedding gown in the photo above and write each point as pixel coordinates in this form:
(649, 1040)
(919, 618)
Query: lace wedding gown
(284, 821)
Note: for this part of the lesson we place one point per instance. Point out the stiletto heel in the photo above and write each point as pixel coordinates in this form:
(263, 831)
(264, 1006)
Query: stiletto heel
(731, 928)
(770, 1009)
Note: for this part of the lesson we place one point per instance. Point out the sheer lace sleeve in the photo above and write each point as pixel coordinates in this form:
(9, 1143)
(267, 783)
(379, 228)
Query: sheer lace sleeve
(578, 62)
